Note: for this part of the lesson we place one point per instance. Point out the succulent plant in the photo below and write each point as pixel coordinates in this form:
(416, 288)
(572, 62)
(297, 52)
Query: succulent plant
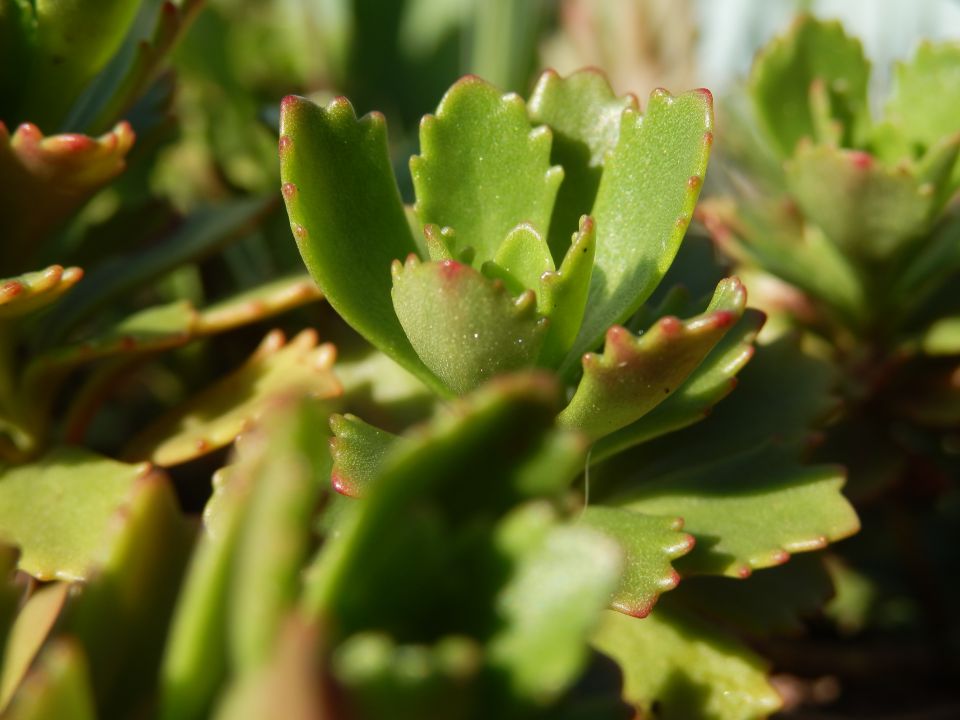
(844, 224)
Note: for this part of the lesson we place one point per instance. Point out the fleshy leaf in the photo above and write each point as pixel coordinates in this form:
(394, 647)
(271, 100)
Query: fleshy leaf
(258, 303)
(563, 294)
(57, 687)
(520, 260)
(813, 51)
(633, 376)
(35, 290)
(649, 544)
(288, 476)
(214, 417)
(563, 578)
(710, 383)
(57, 509)
(28, 634)
(942, 337)
(357, 449)
(866, 209)
(774, 600)
(584, 114)
(918, 105)
(750, 511)
(686, 667)
(482, 169)
(346, 213)
(650, 184)
(465, 327)
(70, 45)
(57, 173)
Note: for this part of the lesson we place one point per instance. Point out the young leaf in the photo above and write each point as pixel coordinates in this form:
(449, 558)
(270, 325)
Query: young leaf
(464, 327)
(650, 184)
(686, 668)
(584, 114)
(214, 417)
(346, 213)
(563, 294)
(813, 51)
(482, 169)
(57, 510)
(35, 290)
(635, 375)
(522, 258)
(358, 450)
(866, 209)
(649, 544)
(60, 172)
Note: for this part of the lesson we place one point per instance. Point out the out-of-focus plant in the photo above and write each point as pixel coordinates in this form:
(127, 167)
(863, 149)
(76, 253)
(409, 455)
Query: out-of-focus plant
(846, 224)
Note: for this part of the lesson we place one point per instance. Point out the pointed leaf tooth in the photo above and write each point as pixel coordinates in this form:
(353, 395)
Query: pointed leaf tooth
(643, 205)
(482, 169)
(634, 375)
(465, 327)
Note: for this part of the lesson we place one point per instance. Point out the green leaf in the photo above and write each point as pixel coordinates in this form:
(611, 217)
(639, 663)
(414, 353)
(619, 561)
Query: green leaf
(482, 169)
(650, 184)
(563, 578)
(456, 476)
(942, 337)
(58, 510)
(288, 477)
(256, 304)
(706, 386)
(866, 209)
(214, 417)
(688, 668)
(520, 260)
(772, 601)
(201, 233)
(358, 449)
(649, 544)
(918, 107)
(347, 217)
(563, 294)
(59, 173)
(121, 616)
(35, 290)
(634, 375)
(27, 636)
(69, 47)
(584, 115)
(813, 51)
(749, 511)
(58, 687)
(466, 328)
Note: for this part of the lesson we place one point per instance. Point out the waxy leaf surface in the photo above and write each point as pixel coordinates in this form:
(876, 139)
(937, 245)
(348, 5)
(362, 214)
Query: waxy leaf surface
(483, 169)
(465, 327)
(650, 184)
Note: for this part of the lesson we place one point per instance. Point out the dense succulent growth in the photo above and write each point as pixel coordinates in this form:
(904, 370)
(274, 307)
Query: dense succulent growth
(847, 223)
(552, 474)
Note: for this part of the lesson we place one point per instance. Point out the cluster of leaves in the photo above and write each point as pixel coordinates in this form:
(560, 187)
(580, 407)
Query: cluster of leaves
(847, 225)
(501, 558)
